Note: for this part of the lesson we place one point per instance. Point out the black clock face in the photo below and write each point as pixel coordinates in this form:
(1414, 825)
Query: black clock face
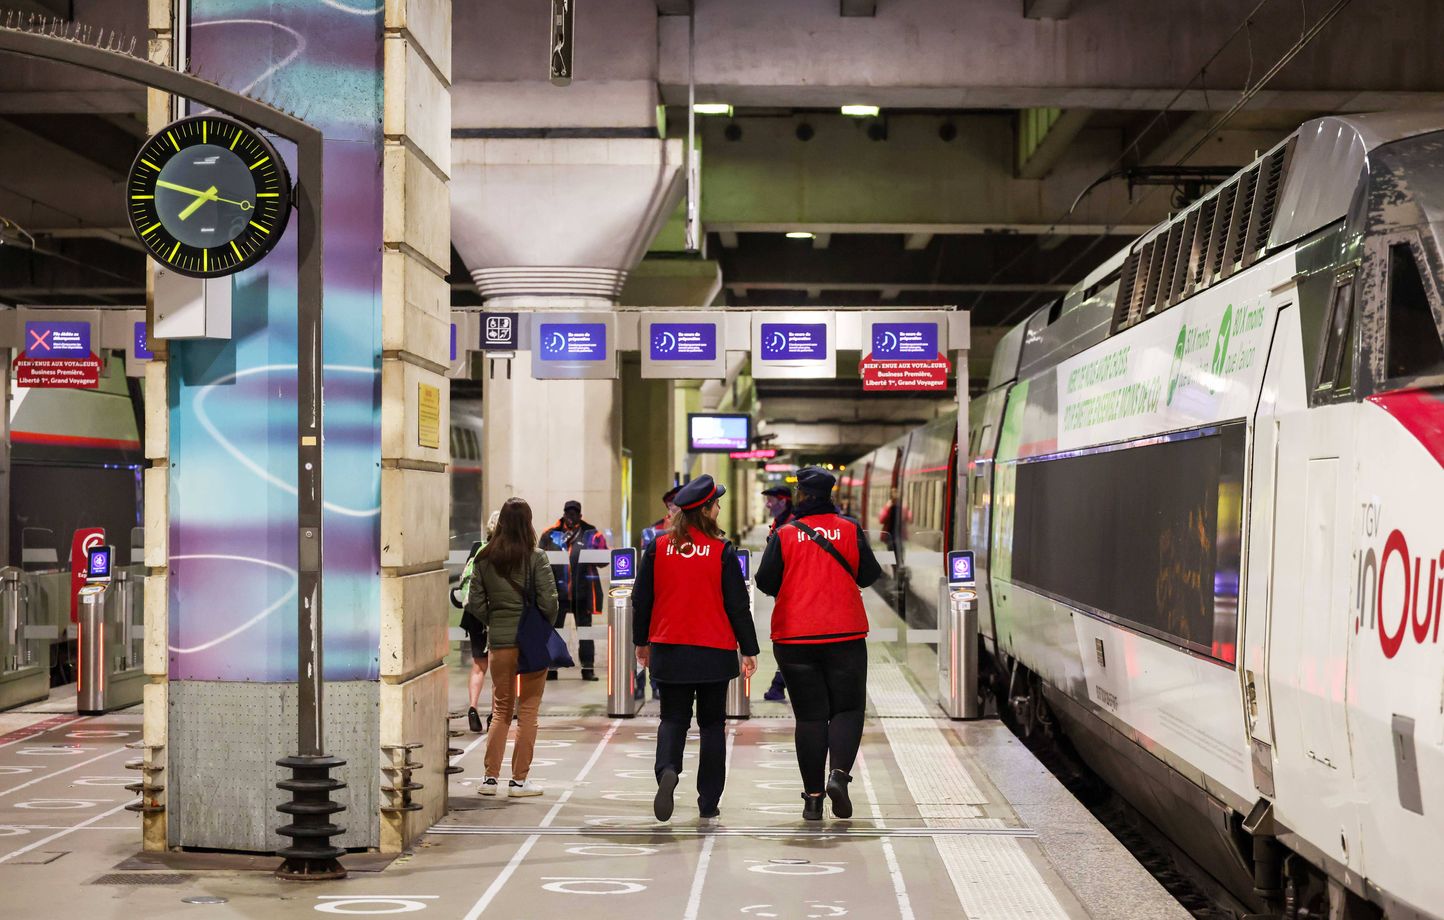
(208, 196)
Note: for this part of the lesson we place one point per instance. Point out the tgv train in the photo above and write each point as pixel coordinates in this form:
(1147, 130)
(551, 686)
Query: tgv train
(1206, 497)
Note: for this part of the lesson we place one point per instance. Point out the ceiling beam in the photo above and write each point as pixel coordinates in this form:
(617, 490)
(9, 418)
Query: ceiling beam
(742, 287)
(121, 237)
(674, 7)
(1047, 9)
(938, 229)
(83, 156)
(857, 7)
(728, 238)
(1049, 146)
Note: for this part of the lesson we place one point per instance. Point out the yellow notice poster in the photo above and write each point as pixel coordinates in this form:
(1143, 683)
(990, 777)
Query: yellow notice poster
(428, 415)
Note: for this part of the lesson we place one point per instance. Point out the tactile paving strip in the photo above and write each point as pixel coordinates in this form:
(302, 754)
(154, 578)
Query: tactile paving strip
(995, 879)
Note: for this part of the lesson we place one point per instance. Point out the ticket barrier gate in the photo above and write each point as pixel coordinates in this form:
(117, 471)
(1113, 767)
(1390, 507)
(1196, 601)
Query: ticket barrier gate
(24, 642)
(110, 675)
(958, 639)
(621, 650)
(739, 689)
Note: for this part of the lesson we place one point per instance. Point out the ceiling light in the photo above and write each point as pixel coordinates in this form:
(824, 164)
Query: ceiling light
(861, 111)
(801, 235)
(712, 108)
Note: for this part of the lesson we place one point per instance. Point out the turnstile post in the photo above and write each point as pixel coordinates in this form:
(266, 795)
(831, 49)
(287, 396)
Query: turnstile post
(958, 654)
(621, 655)
(90, 676)
(739, 689)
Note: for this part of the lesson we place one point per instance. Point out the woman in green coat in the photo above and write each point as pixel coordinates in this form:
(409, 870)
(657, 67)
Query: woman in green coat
(508, 567)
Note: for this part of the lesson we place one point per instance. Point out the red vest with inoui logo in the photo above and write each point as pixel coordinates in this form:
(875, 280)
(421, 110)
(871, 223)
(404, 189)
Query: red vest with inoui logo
(687, 606)
(818, 598)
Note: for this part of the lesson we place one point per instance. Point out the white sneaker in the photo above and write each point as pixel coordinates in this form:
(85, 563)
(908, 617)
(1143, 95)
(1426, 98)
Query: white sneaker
(523, 789)
(488, 786)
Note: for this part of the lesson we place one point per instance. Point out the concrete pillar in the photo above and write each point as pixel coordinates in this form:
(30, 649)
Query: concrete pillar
(220, 504)
(647, 433)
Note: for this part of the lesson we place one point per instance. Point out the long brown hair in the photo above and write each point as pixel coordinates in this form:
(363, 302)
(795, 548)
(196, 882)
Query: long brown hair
(681, 523)
(513, 542)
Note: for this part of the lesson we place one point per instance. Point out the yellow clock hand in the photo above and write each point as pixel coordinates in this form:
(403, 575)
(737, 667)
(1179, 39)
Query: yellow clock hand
(208, 195)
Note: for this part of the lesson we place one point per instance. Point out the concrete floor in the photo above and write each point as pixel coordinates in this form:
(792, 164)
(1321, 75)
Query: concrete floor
(952, 819)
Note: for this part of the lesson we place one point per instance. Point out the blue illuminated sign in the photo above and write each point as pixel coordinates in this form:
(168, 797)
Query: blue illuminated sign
(683, 342)
(794, 341)
(744, 559)
(142, 351)
(573, 342)
(624, 564)
(57, 341)
(453, 342)
(904, 341)
(99, 563)
(960, 567)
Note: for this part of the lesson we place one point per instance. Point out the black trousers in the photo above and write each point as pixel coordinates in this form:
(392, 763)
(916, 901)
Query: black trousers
(586, 649)
(828, 683)
(711, 700)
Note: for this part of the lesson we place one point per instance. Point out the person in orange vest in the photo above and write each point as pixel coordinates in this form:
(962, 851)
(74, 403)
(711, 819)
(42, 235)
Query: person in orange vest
(814, 566)
(692, 615)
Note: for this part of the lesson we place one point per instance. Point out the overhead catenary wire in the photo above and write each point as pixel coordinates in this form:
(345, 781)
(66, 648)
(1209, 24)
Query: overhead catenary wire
(1306, 36)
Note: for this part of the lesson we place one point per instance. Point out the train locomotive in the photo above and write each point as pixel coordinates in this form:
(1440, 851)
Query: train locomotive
(1205, 491)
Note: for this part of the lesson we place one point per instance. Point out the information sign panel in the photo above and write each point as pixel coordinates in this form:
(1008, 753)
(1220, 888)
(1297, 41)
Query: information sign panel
(142, 350)
(624, 564)
(57, 341)
(904, 351)
(682, 346)
(500, 332)
(960, 567)
(573, 345)
(793, 344)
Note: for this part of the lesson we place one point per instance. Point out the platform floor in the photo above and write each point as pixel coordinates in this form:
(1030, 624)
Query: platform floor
(952, 820)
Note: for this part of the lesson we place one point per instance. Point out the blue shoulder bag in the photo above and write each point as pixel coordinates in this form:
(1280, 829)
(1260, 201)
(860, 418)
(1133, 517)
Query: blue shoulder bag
(539, 646)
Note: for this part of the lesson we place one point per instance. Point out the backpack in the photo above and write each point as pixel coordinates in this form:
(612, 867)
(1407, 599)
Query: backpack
(462, 591)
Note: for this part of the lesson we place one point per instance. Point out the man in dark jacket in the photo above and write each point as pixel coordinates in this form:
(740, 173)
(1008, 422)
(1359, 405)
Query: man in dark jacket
(579, 585)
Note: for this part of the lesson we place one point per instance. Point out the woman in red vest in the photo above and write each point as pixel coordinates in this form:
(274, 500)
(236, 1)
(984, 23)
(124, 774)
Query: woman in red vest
(814, 566)
(692, 615)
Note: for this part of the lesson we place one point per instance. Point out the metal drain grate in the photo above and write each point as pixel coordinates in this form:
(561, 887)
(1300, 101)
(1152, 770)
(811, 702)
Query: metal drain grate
(142, 878)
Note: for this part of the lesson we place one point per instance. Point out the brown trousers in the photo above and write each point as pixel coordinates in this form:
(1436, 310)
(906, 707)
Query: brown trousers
(504, 682)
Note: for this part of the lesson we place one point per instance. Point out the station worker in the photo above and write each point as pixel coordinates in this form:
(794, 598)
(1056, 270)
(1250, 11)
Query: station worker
(510, 568)
(579, 584)
(692, 615)
(814, 566)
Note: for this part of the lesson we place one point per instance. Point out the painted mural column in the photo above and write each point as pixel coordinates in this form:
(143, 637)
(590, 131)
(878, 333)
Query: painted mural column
(221, 496)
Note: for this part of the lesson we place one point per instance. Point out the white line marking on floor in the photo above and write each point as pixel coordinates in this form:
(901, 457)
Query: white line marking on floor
(491, 892)
(55, 773)
(56, 836)
(894, 871)
(699, 878)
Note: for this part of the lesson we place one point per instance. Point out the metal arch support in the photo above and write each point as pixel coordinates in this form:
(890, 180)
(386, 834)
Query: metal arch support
(309, 362)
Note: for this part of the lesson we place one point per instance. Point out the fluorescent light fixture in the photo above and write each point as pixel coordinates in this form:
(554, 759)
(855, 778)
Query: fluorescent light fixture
(801, 235)
(712, 108)
(861, 111)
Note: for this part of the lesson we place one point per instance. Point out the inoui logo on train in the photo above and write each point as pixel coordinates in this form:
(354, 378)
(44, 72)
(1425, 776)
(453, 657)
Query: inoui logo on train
(1391, 595)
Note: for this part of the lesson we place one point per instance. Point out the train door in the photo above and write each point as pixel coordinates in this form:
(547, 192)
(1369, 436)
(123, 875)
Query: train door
(1309, 607)
(983, 428)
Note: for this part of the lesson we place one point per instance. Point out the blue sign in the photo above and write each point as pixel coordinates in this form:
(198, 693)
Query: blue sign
(58, 341)
(624, 564)
(744, 559)
(573, 342)
(794, 341)
(453, 342)
(960, 567)
(141, 351)
(99, 564)
(904, 341)
(683, 342)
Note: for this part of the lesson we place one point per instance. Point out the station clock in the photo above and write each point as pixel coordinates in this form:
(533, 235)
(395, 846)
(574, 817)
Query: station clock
(208, 196)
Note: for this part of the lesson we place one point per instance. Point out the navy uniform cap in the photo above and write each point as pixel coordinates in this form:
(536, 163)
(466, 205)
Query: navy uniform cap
(816, 480)
(780, 491)
(699, 492)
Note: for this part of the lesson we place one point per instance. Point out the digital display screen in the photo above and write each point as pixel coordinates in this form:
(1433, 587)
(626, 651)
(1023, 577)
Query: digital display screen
(99, 563)
(683, 342)
(63, 340)
(744, 559)
(573, 341)
(794, 341)
(624, 565)
(960, 567)
(718, 433)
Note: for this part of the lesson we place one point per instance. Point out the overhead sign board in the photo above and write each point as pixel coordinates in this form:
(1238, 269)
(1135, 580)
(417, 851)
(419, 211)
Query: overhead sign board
(57, 355)
(500, 332)
(682, 346)
(794, 344)
(573, 345)
(904, 352)
(60, 341)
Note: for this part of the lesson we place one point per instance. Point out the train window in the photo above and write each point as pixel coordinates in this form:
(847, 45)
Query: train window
(1414, 348)
(1336, 372)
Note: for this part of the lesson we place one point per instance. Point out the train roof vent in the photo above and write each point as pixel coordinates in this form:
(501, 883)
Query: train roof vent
(1206, 214)
(1267, 197)
(1126, 282)
(1222, 219)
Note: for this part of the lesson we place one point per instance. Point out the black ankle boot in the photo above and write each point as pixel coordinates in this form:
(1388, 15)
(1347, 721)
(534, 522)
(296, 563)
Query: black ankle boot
(811, 807)
(589, 674)
(837, 791)
(662, 802)
(473, 720)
